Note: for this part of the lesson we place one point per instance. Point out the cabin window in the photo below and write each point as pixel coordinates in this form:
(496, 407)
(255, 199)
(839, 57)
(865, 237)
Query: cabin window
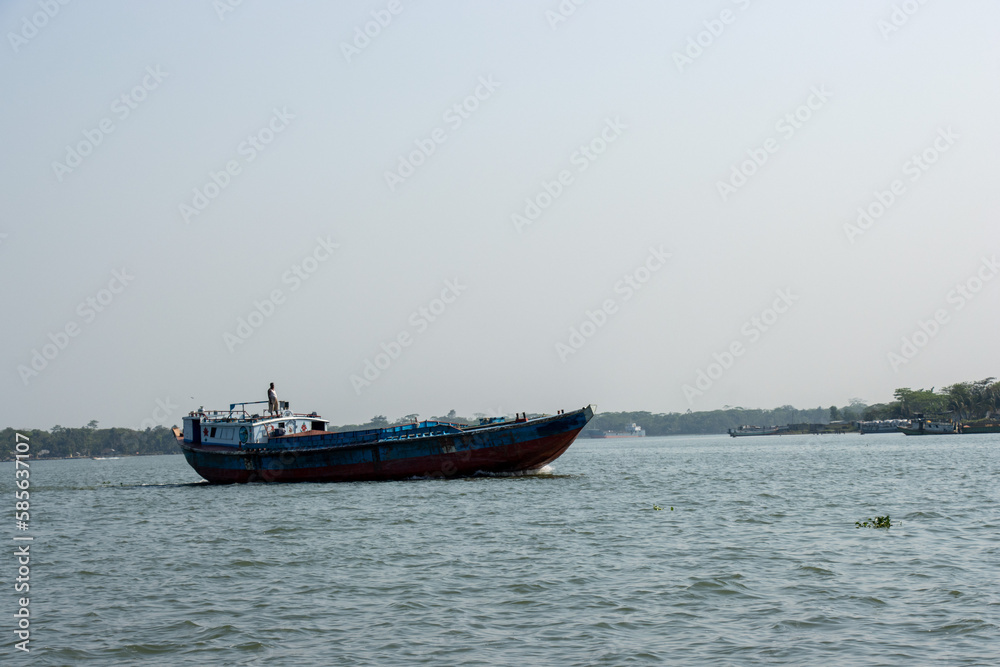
(212, 434)
(227, 433)
(281, 424)
(318, 426)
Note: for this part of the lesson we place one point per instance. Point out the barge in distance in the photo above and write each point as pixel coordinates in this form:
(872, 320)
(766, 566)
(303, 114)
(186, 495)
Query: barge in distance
(632, 431)
(234, 446)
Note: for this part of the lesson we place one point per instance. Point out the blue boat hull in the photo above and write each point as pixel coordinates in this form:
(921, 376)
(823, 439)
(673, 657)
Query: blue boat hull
(379, 455)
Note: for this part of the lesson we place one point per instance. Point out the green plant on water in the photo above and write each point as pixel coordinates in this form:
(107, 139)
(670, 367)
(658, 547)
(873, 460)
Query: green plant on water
(877, 522)
(657, 507)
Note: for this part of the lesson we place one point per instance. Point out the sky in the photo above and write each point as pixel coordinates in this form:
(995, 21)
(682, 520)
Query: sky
(400, 207)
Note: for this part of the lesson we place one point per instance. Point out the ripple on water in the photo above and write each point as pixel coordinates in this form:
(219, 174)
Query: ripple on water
(964, 626)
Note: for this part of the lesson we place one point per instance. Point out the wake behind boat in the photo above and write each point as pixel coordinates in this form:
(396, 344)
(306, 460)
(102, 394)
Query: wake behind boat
(235, 446)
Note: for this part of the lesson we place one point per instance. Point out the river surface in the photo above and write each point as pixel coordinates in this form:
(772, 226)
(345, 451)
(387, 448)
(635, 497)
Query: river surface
(754, 558)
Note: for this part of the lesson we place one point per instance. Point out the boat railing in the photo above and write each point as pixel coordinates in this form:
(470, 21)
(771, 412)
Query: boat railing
(238, 412)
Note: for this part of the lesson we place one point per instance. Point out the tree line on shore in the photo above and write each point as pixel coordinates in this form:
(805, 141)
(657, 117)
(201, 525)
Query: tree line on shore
(90, 441)
(706, 422)
(963, 401)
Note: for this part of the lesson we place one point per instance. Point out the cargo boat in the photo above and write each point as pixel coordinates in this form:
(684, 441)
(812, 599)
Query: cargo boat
(921, 426)
(882, 425)
(980, 428)
(632, 431)
(747, 430)
(234, 446)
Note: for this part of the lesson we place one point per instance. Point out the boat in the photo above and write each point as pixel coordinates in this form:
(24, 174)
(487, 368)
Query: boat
(921, 426)
(980, 428)
(882, 425)
(632, 431)
(746, 430)
(234, 446)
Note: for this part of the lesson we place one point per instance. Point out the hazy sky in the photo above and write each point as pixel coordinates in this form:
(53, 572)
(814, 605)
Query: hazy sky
(395, 207)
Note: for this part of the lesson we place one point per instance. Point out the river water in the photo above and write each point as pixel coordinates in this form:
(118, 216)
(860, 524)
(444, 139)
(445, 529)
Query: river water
(754, 558)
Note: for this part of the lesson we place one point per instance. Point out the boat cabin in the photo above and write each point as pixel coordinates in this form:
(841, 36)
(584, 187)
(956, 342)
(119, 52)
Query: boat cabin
(239, 428)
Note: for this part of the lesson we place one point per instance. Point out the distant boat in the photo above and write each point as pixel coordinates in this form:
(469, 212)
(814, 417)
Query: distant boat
(980, 428)
(234, 446)
(921, 426)
(105, 458)
(746, 430)
(632, 431)
(882, 425)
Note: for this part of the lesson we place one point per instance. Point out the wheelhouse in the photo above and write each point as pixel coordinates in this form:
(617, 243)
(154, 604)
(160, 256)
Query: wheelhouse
(239, 428)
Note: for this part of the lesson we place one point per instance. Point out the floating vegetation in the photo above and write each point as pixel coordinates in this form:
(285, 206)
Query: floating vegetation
(657, 507)
(877, 522)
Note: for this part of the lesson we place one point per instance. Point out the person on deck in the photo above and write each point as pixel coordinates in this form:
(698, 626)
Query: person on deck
(272, 400)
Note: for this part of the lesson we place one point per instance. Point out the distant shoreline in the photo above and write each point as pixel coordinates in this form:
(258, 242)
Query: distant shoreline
(93, 458)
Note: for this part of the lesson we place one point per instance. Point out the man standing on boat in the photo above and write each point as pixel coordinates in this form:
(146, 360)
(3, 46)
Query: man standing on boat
(272, 400)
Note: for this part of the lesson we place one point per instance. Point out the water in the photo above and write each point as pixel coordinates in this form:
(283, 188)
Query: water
(758, 562)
